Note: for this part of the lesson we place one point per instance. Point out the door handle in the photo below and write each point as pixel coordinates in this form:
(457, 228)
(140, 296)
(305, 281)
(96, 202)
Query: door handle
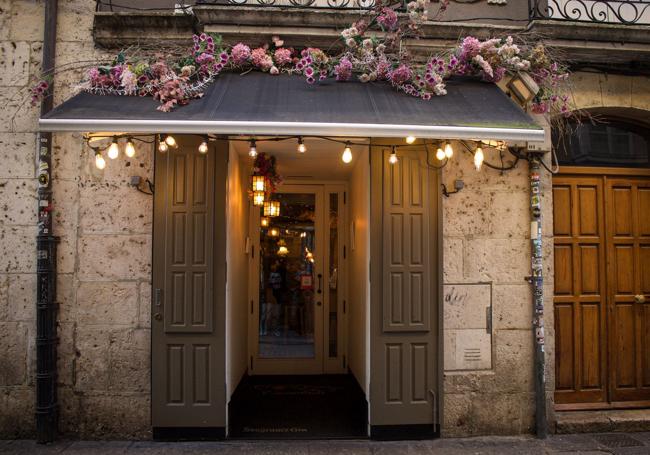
(320, 279)
(639, 298)
(157, 316)
(318, 303)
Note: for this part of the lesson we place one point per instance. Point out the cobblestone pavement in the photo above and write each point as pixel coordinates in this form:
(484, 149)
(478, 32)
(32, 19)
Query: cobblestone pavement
(606, 443)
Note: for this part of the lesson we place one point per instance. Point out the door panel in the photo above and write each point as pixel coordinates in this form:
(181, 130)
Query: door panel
(404, 284)
(189, 281)
(628, 240)
(580, 296)
(602, 240)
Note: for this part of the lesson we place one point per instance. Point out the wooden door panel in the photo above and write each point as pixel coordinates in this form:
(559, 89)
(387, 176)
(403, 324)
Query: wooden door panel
(627, 204)
(579, 293)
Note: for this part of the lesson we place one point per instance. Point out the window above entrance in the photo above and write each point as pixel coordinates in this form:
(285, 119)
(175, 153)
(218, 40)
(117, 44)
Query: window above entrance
(606, 142)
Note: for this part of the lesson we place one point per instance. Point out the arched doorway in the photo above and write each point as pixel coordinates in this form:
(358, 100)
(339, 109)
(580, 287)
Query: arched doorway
(601, 221)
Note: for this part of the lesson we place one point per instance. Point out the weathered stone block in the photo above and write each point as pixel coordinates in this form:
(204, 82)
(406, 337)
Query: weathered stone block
(144, 314)
(5, 311)
(114, 303)
(67, 353)
(114, 257)
(466, 213)
(453, 258)
(114, 416)
(65, 201)
(587, 92)
(13, 353)
(68, 151)
(14, 63)
(110, 208)
(616, 90)
(65, 295)
(641, 92)
(497, 260)
(457, 415)
(514, 360)
(513, 307)
(18, 204)
(19, 150)
(465, 305)
(17, 115)
(17, 416)
(509, 214)
(92, 364)
(130, 360)
(76, 21)
(22, 297)
(26, 20)
(66, 253)
(18, 249)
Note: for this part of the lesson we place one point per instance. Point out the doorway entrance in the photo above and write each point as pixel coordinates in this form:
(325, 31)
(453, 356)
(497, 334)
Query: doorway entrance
(298, 282)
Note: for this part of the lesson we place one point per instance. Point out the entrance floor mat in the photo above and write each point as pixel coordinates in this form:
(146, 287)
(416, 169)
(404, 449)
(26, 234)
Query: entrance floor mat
(298, 407)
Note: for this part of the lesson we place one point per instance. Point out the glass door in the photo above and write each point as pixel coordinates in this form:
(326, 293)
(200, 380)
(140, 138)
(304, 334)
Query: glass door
(288, 287)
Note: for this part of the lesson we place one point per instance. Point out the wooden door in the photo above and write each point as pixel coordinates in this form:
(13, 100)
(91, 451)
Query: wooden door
(188, 308)
(602, 279)
(628, 238)
(404, 295)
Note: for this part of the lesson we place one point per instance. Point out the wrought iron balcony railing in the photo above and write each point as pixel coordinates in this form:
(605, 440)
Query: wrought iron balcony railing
(329, 4)
(626, 12)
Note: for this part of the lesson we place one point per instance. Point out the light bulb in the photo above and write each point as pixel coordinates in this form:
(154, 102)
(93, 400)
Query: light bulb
(449, 151)
(478, 158)
(100, 162)
(410, 139)
(203, 147)
(347, 154)
(170, 141)
(252, 152)
(302, 148)
(440, 154)
(129, 150)
(162, 147)
(113, 150)
(392, 159)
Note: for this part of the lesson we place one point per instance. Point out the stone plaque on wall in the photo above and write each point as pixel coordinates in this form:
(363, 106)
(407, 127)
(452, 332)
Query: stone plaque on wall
(467, 326)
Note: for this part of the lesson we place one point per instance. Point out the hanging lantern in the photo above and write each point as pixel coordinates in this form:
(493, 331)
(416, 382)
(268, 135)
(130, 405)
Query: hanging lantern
(271, 208)
(259, 183)
(523, 87)
(264, 221)
(273, 232)
(258, 198)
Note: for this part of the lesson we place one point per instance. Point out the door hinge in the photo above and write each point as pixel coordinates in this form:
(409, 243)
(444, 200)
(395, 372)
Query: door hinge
(344, 306)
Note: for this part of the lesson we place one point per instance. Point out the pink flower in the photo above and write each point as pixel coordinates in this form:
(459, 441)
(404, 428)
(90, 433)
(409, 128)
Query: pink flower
(240, 53)
(261, 59)
(400, 75)
(387, 19)
(274, 70)
(469, 48)
(343, 70)
(539, 108)
(282, 56)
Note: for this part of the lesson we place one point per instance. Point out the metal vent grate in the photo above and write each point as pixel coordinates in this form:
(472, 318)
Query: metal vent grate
(618, 440)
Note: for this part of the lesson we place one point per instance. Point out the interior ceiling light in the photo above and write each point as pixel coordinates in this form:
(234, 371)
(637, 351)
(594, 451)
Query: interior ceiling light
(410, 139)
(347, 153)
(252, 151)
(302, 148)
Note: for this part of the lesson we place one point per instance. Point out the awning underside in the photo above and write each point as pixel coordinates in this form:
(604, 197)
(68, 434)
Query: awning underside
(261, 104)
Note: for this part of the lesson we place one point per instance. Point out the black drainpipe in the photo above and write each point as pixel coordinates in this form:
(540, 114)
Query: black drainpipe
(46, 307)
(537, 282)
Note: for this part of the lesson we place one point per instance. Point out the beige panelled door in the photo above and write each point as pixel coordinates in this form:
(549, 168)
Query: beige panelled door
(188, 305)
(602, 290)
(404, 282)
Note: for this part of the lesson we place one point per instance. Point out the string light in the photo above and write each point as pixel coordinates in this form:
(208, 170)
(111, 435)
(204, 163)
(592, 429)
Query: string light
(264, 221)
(478, 157)
(449, 151)
(114, 149)
(302, 148)
(410, 139)
(252, 152)
(392, 159)
(129, 150)
(100, 162)
(273, 232)
(203, 147)
(162, 145)
(440, 154)
(170, 141)
(347, 153)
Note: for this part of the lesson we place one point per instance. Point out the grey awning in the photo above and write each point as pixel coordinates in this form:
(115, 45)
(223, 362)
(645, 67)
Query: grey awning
(260, 104)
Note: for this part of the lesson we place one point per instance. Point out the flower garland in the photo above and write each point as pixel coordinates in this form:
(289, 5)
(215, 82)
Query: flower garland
(265, 165)
(377, 56)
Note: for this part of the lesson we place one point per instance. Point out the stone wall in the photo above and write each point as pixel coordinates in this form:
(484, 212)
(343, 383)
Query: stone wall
(104, 258)
(487, 240)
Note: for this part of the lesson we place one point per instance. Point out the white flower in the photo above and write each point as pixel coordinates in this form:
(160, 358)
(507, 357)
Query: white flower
(350, 42)
(422, 3)
(381, 48)
(439, 89)
(367, 43)
(274, 70)
(364, 78)
(414, 15)
(373, 76)
(411, 6)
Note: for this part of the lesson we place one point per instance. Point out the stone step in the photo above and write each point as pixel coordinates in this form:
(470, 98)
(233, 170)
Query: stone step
(602, 421)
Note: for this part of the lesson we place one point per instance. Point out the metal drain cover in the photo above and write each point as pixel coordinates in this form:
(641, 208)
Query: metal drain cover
(618, 440)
